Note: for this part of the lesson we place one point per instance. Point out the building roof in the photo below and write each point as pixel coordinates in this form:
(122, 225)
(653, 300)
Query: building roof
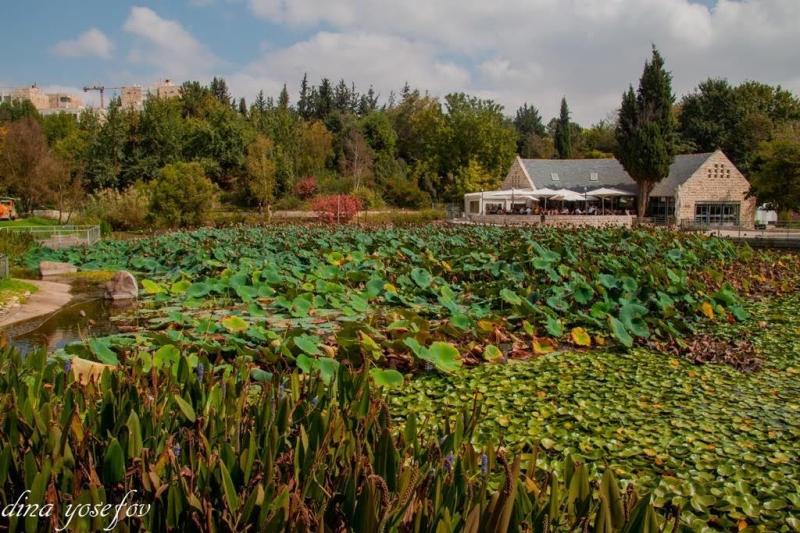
(576, 174)
(681, 170)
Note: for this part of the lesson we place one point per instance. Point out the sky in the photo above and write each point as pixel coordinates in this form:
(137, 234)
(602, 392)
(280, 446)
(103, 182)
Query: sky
(512, 51)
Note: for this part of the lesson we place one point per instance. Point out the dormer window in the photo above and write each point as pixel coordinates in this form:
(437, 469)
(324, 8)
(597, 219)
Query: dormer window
(554, 176)
(593, 176)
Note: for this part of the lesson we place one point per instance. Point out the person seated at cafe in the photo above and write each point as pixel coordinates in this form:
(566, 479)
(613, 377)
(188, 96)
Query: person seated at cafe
(578, 211)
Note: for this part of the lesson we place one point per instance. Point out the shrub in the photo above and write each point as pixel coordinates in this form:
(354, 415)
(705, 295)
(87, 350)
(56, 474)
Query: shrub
(402, 192)
(336, 208)
(182, 196)
(15, 244)
(306, 187)
(369, 198)
(121, 210)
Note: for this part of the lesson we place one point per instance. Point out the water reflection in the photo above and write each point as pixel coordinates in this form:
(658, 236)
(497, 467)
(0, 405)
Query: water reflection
(88, 314)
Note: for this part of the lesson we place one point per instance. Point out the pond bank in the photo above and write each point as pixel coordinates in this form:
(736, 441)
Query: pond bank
(50, 297)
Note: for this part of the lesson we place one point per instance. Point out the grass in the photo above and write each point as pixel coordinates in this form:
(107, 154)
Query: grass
(30, 221)
(11, 288)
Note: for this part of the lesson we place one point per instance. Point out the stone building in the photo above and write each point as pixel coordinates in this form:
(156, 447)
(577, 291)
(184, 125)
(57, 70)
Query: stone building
(704, 189)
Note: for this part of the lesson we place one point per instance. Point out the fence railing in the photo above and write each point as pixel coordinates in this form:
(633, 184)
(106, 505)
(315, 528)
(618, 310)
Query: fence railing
(779, 230)
(4, 272)
(58, 236)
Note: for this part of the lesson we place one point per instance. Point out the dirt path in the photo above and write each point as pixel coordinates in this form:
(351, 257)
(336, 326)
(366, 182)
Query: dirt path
(50, 297)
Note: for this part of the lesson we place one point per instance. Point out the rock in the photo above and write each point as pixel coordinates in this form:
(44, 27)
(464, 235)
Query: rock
(122, 287)
(53, 268)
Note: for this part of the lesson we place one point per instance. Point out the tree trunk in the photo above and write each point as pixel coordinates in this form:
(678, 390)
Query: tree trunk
(645, 187)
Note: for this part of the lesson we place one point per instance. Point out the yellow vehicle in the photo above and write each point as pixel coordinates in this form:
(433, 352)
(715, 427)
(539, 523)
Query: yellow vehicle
(7, 209)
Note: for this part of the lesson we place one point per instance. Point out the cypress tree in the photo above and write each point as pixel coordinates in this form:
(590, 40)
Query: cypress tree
(563, 137)
(304, 104)
(645, 129)
(283, 98)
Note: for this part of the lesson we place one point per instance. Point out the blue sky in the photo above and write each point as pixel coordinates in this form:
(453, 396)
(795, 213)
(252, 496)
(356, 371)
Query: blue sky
(513, 51)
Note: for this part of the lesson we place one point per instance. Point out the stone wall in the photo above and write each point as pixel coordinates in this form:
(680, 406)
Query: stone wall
(594, 221)
(516, 178)
(717, 180)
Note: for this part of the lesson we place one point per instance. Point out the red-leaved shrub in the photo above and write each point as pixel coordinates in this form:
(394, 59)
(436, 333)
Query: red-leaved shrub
(336, 207)
(306, 187)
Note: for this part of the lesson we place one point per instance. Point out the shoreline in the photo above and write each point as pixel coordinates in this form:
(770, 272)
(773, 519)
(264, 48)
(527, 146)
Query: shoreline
(50, 297)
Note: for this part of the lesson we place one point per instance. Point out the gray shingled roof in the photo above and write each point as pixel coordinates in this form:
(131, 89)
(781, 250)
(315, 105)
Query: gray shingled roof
(681, 170)
(575, 174)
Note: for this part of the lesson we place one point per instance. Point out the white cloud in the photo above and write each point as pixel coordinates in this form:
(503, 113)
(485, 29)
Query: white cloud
(92, 42)
(539, 50)
(167, 45)
(386, 62)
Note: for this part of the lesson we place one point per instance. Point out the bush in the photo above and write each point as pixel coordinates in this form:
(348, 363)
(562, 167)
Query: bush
(336, 208)
(402, 192)
(15, 244)
(369, 198)
(306, 187)
(120, 210)
(182, 196)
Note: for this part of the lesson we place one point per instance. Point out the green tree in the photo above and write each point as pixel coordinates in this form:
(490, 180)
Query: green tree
(316, 148)
(474, 178)
(109, 143)
(261, 171)
(563, 133)
(776, 180)
(475, 129)
(645, 129)
(219, 89)
(18, 109)
(182, 196)
(305, 104)
(528, 123)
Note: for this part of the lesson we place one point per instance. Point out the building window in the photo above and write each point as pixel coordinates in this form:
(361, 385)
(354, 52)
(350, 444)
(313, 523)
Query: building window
(474, 206)
(716, 214)
(554, 176)
(593, 176)
(661, 209)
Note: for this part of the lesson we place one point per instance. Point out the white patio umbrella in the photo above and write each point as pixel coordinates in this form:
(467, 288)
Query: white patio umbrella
(544, 193)
(608, 192)
(566, 195)
(571, 196)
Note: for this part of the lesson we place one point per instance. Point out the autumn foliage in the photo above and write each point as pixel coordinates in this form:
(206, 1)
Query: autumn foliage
(306, 187)
(336, 208)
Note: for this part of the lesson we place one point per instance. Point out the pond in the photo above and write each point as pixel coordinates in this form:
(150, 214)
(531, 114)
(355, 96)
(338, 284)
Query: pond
(88, 314)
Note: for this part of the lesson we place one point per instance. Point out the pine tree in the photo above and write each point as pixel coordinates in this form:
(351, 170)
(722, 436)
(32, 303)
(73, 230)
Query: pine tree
(563, 136)
(220, 90)
(304, 103)
(645, 129)
(323, 102)
(242, 107)
(341, 97)
(283, 98)
(260, 104)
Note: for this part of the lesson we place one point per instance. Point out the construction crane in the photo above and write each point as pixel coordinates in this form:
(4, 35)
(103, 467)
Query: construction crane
(101, 89)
